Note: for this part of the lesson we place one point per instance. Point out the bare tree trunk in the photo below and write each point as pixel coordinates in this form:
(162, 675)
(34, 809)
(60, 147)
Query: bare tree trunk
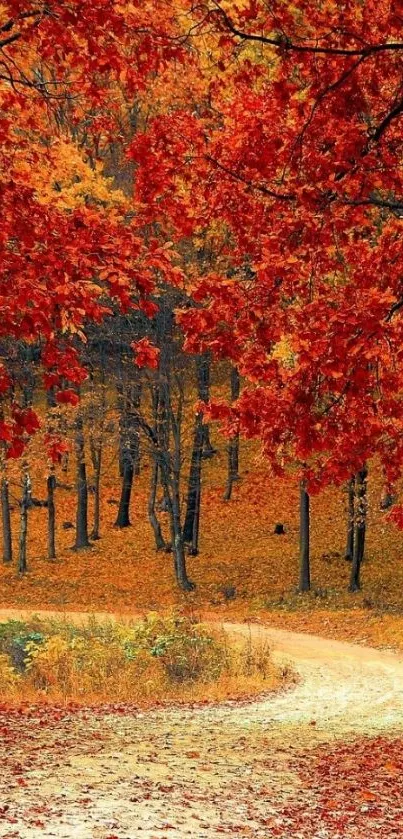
(24, 507)
(350, 521)
(82, 540)
(169, 427)
(129, 453)
(171, 489)
(155, 471)
(120, 403)
(51, 486)
(233, 445)
(152, 516)
(192, 517)
(203, 365)
(304, 552)
(97, 463)
(360, 529)
(178, 544)
(6, 518)
(123, 516)
(96, 438)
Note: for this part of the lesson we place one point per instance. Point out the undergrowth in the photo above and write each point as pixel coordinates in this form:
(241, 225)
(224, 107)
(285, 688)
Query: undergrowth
(159, 659)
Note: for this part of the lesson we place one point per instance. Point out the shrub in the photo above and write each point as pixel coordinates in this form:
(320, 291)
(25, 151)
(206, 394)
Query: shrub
(9, 679)
(255, 659)
(157, 658)
(15, 639)
(187, 650)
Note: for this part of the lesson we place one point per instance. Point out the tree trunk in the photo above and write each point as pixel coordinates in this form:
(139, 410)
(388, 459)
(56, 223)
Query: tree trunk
(203, 364)
(129, 453)
(192, 517)
(96, 439)
(350, 522)
(167, 439)
(173, 499)
(51, 486)
(360, 529)
(178, 545)
(24, 506)
(233, 445)
(120, 404)
(304, 555)
(123, 516)
(82, 540)
(6, 518)
(152, 516)
(95, 534)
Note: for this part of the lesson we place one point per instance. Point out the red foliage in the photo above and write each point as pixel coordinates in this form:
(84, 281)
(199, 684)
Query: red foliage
(300, 167)
(146, 355)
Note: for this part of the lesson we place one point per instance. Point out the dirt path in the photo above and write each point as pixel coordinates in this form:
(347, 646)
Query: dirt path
(201, 773)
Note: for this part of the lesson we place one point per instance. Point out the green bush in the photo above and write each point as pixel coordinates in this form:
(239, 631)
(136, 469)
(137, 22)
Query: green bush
(15, 640)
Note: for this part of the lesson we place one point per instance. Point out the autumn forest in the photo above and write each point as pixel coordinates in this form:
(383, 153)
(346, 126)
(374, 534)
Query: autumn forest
(201, 418)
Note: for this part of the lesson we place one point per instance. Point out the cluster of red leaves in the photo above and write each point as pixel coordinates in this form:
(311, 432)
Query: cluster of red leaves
(346, 791)
(62, 268)
(295, 155)
(351, 791)
(145, 354)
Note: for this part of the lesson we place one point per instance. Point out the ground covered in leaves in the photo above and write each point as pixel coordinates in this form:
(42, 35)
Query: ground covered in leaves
(243, 570)
(323, 760)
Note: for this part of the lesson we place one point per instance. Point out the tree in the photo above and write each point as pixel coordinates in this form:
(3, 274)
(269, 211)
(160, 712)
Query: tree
(299, 142)
(69, 250)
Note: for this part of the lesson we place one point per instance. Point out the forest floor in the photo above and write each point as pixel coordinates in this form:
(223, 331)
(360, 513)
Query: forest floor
(243, 572)
(322, 760)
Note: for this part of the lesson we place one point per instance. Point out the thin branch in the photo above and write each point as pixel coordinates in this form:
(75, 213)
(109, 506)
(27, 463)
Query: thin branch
(284, 43)
(259, 187)
(395, 112)
(395, 308)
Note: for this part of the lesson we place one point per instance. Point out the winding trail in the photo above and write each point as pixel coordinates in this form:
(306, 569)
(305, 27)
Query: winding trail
(227, 770)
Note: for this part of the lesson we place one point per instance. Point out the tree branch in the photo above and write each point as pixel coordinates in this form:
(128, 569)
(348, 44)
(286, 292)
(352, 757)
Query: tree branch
(283, 42)
(395, 112)
(282, 196)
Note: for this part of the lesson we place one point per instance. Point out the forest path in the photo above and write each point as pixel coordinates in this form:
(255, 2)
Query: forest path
(229, 770)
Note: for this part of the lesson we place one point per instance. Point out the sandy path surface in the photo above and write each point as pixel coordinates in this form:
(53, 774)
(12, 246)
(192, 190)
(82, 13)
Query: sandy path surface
(228, 770)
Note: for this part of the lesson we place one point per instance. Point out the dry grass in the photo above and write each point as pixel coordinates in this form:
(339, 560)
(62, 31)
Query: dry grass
(160, 660)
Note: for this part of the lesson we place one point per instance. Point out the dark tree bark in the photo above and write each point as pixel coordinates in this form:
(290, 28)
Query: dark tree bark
(120, 404)
(97, 463)
(178, 544)
(6, 519)
(123, 516)
(360, 529)
(155, 471)
(203, 367)
(168, 437)
(51, 397)
(51, 486)
(96, 439)
(192, 518)
(152, 515)
(233, 445)
(82, 540)
(129, 449)
(25, 504)
(350, 521)
(304, 552)
(171, 488)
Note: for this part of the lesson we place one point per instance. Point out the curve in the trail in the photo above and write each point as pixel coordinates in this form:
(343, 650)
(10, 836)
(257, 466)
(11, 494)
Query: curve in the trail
(219, 770)
(344, 689)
